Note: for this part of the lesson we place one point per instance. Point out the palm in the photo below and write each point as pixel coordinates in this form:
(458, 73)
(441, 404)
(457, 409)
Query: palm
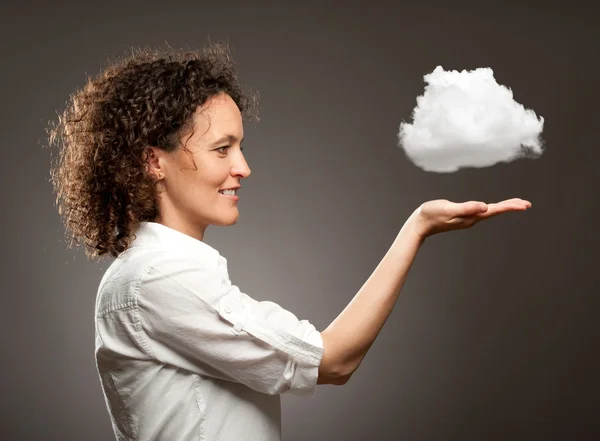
(443, 215)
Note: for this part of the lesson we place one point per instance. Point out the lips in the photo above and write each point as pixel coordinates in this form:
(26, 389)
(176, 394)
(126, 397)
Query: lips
(231, 188)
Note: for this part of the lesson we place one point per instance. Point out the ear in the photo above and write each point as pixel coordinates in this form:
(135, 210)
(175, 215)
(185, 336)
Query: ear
(152, 164)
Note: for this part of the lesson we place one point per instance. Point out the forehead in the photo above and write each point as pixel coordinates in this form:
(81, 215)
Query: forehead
(218, 118)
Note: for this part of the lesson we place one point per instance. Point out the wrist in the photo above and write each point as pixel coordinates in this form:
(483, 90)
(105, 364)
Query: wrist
(416, 227)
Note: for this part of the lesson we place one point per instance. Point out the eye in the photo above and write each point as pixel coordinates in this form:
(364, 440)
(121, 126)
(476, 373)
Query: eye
(227, 147)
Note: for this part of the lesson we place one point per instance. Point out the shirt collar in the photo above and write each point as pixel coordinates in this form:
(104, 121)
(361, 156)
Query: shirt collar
(153, 233)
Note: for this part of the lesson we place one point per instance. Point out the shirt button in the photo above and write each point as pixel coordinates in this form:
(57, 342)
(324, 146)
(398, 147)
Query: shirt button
(228, 308)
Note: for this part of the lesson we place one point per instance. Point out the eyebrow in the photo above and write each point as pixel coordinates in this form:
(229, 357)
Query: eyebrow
(229, 138)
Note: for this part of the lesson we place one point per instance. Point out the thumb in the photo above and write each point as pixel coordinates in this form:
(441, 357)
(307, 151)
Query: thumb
(471, 208)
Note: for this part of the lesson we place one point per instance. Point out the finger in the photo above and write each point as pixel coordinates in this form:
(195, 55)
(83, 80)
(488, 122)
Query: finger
(470, 208)
(502, 207)
(523, 201)
(510, 203)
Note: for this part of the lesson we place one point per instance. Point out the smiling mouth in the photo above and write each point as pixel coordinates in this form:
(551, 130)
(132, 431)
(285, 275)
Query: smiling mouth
(228, 192)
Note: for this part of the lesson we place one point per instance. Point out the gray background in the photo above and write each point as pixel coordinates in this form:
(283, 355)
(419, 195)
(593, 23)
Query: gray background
(495, 335)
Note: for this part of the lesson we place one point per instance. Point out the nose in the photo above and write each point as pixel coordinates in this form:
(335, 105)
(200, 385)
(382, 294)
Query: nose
(241, 168)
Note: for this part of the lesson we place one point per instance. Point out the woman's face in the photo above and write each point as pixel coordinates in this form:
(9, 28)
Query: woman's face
(190, 200)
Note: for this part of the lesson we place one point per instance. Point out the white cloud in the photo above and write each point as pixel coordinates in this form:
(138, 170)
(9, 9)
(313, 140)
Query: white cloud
(466, 119)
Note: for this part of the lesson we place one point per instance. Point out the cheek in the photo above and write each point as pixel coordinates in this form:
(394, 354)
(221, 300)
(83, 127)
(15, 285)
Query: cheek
(213, 178)
(202, 183)
(207, 187)
(190, 190)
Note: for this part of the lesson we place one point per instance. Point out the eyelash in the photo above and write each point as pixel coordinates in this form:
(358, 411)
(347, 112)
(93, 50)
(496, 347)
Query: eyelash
(228, 147)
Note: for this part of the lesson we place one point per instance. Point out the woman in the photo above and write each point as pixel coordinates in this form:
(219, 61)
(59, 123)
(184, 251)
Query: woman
(150, 156)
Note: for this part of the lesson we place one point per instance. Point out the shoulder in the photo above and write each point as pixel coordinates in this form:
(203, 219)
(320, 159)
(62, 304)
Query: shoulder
(172, 278)
(152, 271)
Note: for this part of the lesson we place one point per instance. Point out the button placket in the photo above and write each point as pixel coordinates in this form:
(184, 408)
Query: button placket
(241, 322)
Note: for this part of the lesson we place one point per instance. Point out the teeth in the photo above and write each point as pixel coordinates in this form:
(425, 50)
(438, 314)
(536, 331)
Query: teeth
(229, 192)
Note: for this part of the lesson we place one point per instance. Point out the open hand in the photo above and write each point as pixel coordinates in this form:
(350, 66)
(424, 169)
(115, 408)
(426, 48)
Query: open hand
(441, 215)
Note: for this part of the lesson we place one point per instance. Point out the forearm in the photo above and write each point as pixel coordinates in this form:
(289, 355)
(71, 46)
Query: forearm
(348, 338)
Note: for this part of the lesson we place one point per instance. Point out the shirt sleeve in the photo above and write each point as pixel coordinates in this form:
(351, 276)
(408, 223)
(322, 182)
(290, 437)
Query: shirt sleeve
(195, 319)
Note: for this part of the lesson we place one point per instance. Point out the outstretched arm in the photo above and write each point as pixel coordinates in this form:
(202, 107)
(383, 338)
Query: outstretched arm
(348, 338)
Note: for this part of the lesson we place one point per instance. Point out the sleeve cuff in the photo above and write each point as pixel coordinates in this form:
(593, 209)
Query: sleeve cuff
(306, 375)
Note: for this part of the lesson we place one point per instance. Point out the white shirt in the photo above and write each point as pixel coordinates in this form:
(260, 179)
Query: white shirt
(183, 354)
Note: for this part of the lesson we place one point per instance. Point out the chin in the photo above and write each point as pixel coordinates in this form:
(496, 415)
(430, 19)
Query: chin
(226, 222)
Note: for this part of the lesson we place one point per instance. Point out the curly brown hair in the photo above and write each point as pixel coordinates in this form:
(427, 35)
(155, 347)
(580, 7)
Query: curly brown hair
(102, 183)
